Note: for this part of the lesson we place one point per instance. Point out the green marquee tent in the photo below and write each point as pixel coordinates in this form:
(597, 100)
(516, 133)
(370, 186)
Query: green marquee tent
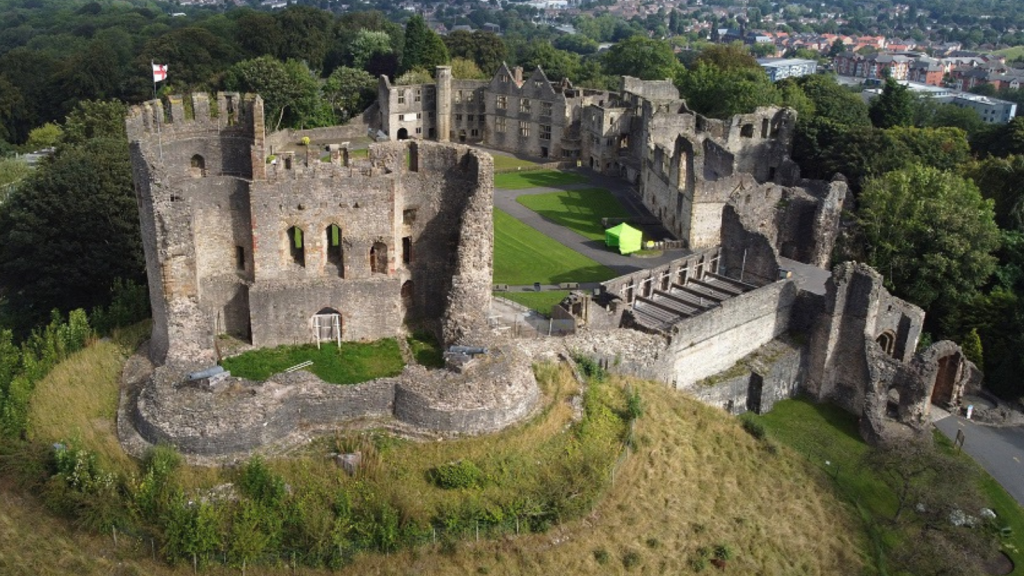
(623, 236)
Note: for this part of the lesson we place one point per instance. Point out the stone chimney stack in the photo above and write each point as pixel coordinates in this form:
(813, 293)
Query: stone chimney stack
(517, 75)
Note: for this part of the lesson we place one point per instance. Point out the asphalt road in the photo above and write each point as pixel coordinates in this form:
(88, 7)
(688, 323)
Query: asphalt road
(1000, 451)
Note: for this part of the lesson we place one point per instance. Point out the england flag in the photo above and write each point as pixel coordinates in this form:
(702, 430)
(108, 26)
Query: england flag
(159, 72)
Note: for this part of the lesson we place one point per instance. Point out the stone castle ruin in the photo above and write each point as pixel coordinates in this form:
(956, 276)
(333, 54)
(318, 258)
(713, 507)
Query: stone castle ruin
(287, 249)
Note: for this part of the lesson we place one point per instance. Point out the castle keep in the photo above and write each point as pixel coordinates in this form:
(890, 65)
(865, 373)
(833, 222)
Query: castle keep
(297, 249)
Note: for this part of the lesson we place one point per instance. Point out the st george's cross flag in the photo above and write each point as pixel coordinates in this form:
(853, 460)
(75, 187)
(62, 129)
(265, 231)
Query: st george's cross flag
(159, 72)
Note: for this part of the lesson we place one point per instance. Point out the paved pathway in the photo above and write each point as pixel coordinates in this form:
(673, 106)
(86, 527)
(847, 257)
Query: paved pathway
(505, 200)
(999, 450)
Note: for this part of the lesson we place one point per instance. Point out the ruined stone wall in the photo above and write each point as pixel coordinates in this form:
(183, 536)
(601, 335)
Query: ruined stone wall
(716, 339)
(525, 115)
(643, 282)
(467, 110)
(191, 174)
(857, 310)
(776, 374)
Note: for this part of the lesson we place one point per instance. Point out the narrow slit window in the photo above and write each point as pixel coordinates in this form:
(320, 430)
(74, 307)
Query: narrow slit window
(296, 245)
(335, 249)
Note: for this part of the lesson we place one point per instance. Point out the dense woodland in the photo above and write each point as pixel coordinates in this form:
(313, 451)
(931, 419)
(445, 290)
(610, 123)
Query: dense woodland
(938, 203)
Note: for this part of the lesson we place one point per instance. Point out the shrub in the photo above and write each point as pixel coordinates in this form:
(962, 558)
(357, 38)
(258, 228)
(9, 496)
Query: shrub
(601, 556)
(589, 367)
(723, 552)
(154, 490)
(634, 405)
(630, 558)
(458, 474)
(261, 484)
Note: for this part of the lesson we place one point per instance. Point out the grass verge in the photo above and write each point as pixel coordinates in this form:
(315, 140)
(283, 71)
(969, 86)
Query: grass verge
(578, 210)
(522, 255)
(351, 363)
(536, 179)
(828, 437)
(540, 301)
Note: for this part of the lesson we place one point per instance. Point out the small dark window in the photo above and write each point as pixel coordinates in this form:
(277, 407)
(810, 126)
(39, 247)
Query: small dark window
(406, 250)
(409, 216)
(240, 257)
(747, 131)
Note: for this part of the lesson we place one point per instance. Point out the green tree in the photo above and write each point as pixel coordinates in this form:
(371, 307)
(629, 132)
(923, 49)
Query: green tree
(972, 348)
(720, 93)
(557, 64)
(46, 136)
(258, 33)
(577, 43)
(949, 115)
(930, 233)
(291, 93)
(727, 57)
(349, 91)
(366, 45)
(485, 48)
(1002, 181)
(69, 231)
(642, 58)
(832, 101)
(464, 69)
(93, 119)
(306, 35)
(893, 107)
(423, 47)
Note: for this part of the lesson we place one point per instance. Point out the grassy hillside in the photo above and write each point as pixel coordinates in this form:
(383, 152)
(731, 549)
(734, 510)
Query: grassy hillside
(696, 482)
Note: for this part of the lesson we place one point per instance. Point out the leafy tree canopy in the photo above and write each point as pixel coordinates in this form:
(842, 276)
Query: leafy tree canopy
(423, 47)
(642, 58)
(69, 231)
(930, 233)
(893, 107)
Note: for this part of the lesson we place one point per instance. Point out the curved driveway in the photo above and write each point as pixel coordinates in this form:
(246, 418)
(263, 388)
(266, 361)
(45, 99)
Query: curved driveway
(998, 450)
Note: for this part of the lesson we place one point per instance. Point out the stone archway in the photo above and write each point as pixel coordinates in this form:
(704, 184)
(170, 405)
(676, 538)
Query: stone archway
(945, 379)
(403, 134)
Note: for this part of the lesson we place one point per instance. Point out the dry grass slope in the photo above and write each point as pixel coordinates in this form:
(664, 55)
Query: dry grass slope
(696, 480)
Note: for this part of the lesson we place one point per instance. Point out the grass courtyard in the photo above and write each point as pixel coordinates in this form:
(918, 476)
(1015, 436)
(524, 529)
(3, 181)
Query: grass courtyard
(540, 301)
(578, 210)
(536, 179)
(522, 255)
(351, 363)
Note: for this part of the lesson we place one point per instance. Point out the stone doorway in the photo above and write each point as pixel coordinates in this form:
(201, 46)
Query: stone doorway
(326, 326)
(403, 134)
(945, 380)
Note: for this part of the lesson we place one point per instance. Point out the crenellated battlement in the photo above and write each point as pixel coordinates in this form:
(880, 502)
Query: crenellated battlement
(227, 111)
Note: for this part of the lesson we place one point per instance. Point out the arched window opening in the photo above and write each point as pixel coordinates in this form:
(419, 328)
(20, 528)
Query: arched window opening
(296, 245)
(887, 341)
(335, 249)
(403, 134)
(379, 258)
(197, 167)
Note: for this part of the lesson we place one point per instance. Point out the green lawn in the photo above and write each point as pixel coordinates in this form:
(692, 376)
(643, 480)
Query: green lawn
(502, 162)
(536, 179)
(578, 210)
(540, 301)
(1012, 52)
(354, 362)
(523, 255)
(828, 437)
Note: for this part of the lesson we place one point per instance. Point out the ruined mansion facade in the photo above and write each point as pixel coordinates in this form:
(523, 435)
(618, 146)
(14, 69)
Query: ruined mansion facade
(299, 249)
